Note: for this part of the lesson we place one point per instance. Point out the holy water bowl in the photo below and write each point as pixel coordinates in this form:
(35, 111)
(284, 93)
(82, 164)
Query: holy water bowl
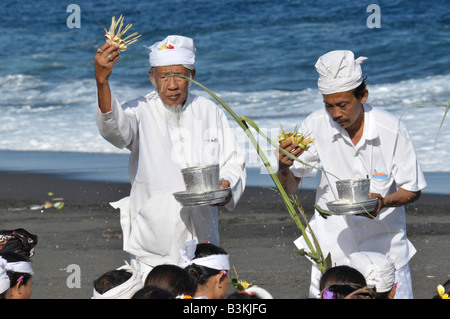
(201, 179)
(353, 190)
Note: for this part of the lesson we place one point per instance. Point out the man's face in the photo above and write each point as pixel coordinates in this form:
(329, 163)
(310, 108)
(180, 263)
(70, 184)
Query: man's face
(345, 109)
(174, 89)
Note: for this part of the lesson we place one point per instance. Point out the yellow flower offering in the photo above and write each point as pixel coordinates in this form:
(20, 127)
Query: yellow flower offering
(303, 141)
(116, 37)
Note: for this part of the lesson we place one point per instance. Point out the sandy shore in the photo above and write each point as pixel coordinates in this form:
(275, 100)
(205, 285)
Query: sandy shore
(258, 235)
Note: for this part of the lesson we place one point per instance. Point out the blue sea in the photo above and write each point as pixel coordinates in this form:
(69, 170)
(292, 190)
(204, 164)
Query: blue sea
(258, 56)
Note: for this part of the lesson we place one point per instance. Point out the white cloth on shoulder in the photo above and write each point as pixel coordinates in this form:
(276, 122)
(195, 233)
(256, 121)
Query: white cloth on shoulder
(378, 269)
(339, 71)
(173, 50)
(125, 290)
(4, 279)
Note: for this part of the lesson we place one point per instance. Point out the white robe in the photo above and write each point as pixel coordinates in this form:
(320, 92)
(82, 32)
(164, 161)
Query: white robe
(155, 226)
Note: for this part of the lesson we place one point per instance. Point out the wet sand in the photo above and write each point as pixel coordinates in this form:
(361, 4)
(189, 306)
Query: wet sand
(258, 235)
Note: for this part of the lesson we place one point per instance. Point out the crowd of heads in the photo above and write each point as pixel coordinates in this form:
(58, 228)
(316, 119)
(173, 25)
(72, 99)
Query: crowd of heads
(16, 272)
(204, 275)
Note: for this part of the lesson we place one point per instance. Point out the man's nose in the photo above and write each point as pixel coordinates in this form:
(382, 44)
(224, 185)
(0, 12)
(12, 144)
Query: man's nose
(336, 113)
(172, 83)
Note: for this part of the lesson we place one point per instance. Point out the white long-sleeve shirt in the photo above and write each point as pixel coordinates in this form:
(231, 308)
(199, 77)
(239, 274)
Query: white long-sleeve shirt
(386, 154)
(155, 226)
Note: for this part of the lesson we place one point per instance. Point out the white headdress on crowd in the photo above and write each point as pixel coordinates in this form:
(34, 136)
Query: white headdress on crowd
(339, 71)
(174, 49)
(125, 290)
(378, 269)
(4, 279)
(218, 262)
(20, 266)
(258, 291)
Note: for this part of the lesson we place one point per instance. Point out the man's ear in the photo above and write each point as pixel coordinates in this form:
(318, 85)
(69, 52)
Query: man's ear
(150, 74)
(365, 96)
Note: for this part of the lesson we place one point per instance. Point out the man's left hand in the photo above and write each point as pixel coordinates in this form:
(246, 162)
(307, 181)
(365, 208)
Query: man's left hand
(224, 184)
(377, 209)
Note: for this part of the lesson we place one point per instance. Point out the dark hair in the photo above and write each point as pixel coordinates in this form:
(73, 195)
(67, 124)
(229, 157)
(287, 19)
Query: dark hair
(342, 275)
(359, 91)
(14, 276)
(243, 295)
(110, 280)
(172, 278)
(152, 292)
(202, 273)
(348, 291)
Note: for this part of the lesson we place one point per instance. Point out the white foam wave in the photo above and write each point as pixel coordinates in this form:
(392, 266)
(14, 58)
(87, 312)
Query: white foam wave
(41, 116)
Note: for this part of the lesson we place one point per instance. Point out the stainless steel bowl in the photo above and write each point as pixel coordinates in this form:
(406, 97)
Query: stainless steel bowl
(354, 190)
(201, 178)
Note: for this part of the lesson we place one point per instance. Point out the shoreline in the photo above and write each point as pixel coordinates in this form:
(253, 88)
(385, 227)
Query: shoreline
(258, 235)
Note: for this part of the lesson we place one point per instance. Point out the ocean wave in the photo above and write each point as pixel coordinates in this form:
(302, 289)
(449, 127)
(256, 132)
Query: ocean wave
(38, 115)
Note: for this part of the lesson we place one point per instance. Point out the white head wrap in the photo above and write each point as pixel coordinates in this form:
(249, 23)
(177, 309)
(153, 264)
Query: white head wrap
(174, 49)
(20, 266)
(4, 279)
(125, 290)
(378, 269)
(339, 71)
(218, 262)
(260, 292)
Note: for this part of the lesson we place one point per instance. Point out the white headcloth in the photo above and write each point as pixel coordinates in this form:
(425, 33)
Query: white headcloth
(378, 269)
(174, 49)
(125, 290)
(218, 262)
(260, 292)
(339, 71)
(20, 266)
(4, 279)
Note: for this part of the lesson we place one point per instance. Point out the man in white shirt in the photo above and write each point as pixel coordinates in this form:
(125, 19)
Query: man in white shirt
(354, 140)
(167, 130)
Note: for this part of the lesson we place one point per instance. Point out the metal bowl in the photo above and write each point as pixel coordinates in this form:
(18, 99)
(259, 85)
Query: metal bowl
(201, 178)
(202, 199)
(342, 207)
(353, 190)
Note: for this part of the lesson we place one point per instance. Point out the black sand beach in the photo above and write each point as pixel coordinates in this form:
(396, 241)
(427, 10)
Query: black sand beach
(258, 235)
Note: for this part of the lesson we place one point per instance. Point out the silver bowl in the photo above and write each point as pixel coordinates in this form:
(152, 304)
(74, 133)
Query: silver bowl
(201, 178)
(353, 190)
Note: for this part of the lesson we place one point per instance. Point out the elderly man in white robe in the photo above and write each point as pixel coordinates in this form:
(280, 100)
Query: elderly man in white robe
(354, 140)
(166, 130)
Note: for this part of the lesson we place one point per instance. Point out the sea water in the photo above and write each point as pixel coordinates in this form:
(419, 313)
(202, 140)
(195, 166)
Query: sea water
(258, 56)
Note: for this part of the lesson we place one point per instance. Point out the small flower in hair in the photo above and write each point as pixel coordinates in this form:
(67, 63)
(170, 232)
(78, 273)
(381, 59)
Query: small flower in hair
(327, 294)
(441, 292)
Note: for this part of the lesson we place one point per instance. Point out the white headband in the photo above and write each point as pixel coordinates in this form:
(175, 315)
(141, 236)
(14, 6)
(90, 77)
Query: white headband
(173, 50)
(218, 262)
(339, 71)
(4, 279)
(125, 290)
(378, 269)
(260, 292)
(20, 266)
